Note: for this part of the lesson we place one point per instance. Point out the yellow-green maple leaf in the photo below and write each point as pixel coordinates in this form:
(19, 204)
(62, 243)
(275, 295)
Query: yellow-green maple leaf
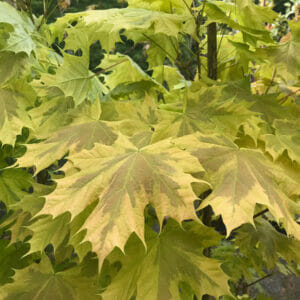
(168, 6)
(21, 33)
(206, 112)
(83, 133)
(79, 83)
(286, 137)
(124, 179)
(170, 258)
(241, 178)
(285, 56)
(15, 98)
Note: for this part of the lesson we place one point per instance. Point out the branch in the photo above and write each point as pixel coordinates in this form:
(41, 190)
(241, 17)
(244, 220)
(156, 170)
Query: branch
(283, 99)
(272, 80)
(104, 70)
(260, 279)
(260, 213)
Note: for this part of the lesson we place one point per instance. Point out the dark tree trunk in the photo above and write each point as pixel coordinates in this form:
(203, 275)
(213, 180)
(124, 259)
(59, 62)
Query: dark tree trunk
(212, 51)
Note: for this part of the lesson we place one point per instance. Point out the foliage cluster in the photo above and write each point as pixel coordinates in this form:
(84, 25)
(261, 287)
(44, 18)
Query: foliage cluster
(125, 182)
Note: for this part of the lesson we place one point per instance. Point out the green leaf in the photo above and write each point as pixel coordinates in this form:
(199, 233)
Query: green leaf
(48, 231)
(125, 179)
(14, 185)
(286, 137)
(73, 76)
(12, 66)
(264, 242)
(170, 258)
(285, 55)
(11, 257)
(250, 34)
(117, 75)
(40, 281)
(254, 16)
(168, 6)
(20, 38)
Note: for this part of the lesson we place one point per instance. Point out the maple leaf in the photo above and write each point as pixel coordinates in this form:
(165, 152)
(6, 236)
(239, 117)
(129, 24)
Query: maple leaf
(158, 28)
(172, 257)
(215, 13)
(286, 137)
(241, 178)
(11, 257)
(234, 264)
(117, 75)
(41, 281)
(205, 111)
(20, 37)
(14, 99)
(83, 133)
(264, 243)
(105, 25)
(48, 231)
(125, 179)
(14, 185)
(51, 115)
(81, 84)
(168, 6)
(285, 56)
(133, 118)
(254, 16)
(12, 66)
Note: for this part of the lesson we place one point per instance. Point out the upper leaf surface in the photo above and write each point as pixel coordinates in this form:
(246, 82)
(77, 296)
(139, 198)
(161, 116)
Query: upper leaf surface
(125, 179)
(14, 99)
(83, 133)
(20, 39)
(172, 257)
(168, 6)
(286, 137)
(204, 112)
(40, 281)
(73, 76)
(240, 179)
(265, 242)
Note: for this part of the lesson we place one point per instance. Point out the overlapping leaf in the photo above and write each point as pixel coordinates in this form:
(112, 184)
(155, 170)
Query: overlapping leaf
(240, 179)
(168, 6)
(205, 112)
(264, 243)
(41, 281)
(286, 137)
(172, 257)
(285, 56)
(83, 133)
(21, 30)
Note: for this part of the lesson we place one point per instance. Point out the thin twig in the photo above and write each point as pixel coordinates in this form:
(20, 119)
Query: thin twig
(272, 81)
(283, 99)
(260, 279)
(190, 10)
(222, 36)
(198, 25)
(104, 70)
(260, 213)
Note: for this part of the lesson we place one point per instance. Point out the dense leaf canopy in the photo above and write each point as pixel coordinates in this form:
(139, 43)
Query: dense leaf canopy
(123, 178)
